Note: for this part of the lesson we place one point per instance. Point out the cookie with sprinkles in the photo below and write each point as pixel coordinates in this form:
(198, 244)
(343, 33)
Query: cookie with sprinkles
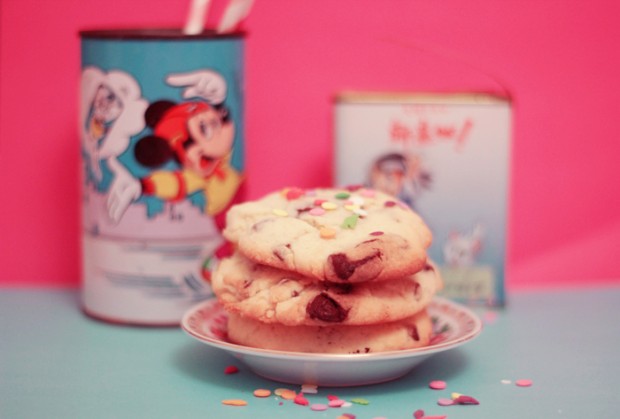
(273, 295)
(409, 333)
(337, 235)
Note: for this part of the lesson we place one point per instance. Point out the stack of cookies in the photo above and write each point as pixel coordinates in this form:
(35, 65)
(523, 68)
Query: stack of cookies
(327, 271)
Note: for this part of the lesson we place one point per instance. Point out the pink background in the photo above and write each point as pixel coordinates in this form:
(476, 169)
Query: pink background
(559, 59)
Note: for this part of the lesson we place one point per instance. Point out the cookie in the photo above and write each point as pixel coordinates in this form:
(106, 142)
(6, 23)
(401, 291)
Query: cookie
(412, 332)
(273, 295)
(336, 235)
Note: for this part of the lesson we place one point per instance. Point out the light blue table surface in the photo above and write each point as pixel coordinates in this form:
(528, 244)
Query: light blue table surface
(57, 363)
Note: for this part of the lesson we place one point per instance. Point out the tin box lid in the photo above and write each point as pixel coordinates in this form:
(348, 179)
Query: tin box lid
(155, 34)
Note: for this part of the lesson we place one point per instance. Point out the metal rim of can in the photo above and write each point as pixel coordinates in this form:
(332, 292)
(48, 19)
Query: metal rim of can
(156, 34)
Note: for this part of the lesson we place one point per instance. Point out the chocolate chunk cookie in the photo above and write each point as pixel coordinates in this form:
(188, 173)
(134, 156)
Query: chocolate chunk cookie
(272, 295)
(411, 332)
(337, 235)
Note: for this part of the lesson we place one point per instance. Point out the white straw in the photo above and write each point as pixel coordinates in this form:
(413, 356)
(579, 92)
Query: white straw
(197, 17)
(236, 11)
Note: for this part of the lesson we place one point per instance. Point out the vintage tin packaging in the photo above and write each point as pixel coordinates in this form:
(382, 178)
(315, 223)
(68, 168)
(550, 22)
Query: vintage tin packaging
(447, 155)
(162, 141)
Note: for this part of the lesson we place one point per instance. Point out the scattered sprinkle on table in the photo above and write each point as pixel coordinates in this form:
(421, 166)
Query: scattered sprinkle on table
(231, 369)
(506, 382)
(234, 402)
(359, 400)
(445, 402)
(262, 392)
(462, 399)
(301, 400)
(319, 407)
(418, 414)
(523, 383)
(288, 395)
(437, 385)
(336, 403)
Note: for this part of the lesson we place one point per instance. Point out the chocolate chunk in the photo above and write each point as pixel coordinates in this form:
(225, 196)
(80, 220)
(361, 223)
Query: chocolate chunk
(325, 308)
(414, 334)
(340, 289)
(345, 268)
(302, 210)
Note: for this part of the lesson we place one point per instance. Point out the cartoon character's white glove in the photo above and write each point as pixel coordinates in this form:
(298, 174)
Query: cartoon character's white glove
(123, 191)
(206, 84)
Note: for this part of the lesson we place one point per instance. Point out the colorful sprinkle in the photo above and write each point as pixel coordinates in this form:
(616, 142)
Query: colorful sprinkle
(347, 416)
(445, 402)
(288, 395)
(329, 206)
(523, 383)
(316, 211)
(294, 193)
(301, 400)
(377, 233)
(455, 395)
(506, 382)
(350, 222)
(319, 407)
(359, 400)
(280, 212)
(231, 369)
(418, 414)
(234, 402)
(351, 207)
(342, 195)
(262, 392)
(353, 188)
(335, 403)
(389, 203)
(319, 202)
(327, 233)
(437, 385)
(279, 391)
(466, 400)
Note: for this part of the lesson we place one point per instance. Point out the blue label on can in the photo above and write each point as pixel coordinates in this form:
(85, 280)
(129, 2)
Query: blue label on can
(161, 126)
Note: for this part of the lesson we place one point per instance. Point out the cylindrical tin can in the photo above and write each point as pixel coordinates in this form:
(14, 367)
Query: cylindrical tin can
(162, 141)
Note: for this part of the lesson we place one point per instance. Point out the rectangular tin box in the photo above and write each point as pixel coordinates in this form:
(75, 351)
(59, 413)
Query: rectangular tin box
(448, 157)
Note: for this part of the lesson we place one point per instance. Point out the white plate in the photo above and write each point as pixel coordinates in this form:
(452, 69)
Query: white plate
(453, 326)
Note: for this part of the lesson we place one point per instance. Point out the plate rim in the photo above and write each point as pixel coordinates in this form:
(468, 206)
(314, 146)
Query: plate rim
(306, 356)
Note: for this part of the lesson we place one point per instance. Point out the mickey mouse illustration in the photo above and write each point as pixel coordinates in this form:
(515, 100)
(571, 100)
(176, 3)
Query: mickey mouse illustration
(195, 134)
